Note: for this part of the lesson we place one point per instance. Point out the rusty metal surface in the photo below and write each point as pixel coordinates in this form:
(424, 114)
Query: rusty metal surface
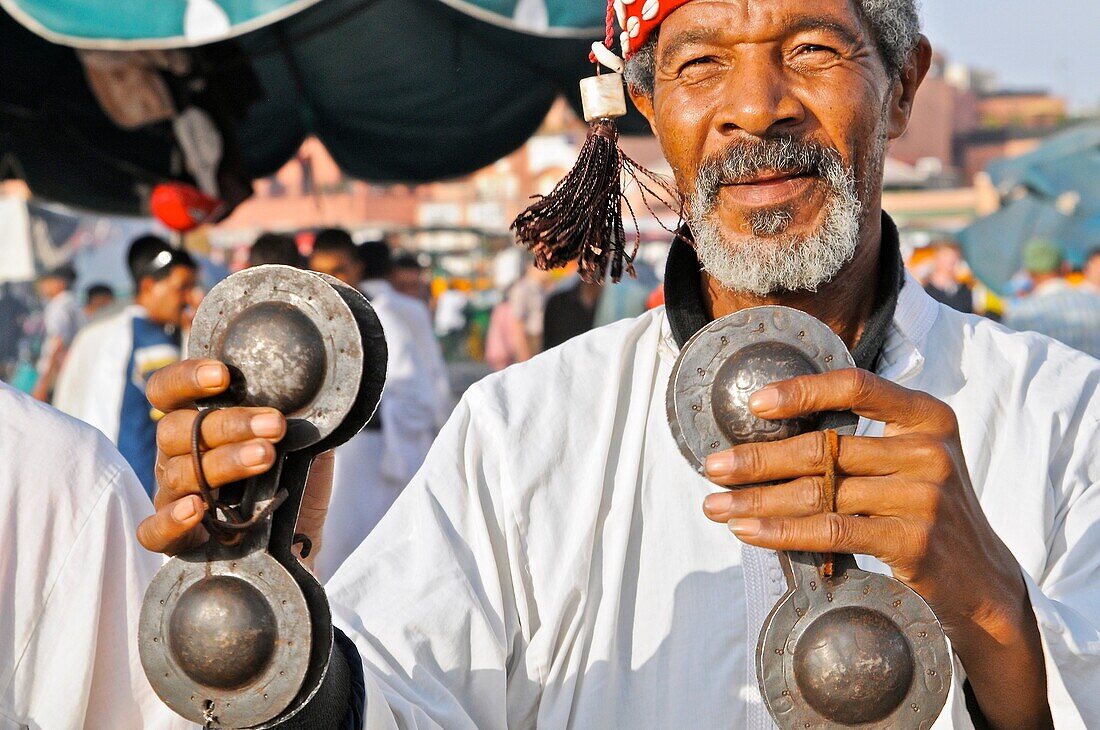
(170, 659)
(856, 649)
(290, 339)
(238, 634)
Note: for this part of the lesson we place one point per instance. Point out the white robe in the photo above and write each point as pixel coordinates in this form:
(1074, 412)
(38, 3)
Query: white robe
(91, 382)
(372, 469)
(550, 564)
(72, 577)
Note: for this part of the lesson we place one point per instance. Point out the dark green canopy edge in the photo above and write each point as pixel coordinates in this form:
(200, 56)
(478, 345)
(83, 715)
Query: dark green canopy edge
(397, 90)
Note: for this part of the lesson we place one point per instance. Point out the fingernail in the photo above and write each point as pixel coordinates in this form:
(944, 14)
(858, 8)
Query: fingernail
(183, 510)
(718, 503)
(209, 376)
(745, 528)
(266, 425)
(764, 400)
(253, 455)
(720, 464)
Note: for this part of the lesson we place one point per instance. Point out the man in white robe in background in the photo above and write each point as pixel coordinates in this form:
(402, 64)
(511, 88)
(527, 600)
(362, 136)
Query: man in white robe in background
(373, 468)
(71, 580)
(103, 380)
(556, 562)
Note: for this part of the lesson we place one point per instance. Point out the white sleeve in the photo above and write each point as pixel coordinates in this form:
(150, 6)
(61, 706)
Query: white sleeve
(80, 667)
(1067, 596)
(430, 598)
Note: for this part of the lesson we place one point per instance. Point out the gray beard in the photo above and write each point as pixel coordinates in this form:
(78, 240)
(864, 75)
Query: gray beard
(769, 260)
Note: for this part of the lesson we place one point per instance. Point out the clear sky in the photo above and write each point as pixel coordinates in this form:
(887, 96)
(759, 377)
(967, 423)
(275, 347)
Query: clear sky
(1028, 43)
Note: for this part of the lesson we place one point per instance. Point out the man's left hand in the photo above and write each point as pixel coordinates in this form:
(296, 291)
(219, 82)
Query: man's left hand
(905, 498)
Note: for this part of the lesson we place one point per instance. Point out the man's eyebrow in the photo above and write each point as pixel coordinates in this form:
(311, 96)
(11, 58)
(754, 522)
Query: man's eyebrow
(689, 37)
(837, 28)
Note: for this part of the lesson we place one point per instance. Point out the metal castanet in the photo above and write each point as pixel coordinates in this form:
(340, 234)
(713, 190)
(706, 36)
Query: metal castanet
(237, 633)
(844, 647)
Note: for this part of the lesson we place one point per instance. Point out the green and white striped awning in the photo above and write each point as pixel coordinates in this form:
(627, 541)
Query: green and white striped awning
(145, 24)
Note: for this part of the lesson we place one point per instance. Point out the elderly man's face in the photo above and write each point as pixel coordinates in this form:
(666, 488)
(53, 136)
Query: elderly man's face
(774, 115)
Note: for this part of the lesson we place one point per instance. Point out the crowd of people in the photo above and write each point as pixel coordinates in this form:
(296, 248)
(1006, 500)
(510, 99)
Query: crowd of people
(1048, 295)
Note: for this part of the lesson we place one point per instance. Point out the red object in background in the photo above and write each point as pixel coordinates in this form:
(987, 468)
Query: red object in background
(656, 297)
(182, 207)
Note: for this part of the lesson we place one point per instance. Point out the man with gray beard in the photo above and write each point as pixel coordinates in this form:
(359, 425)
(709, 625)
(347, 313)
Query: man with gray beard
(549, 565)
(768, 259)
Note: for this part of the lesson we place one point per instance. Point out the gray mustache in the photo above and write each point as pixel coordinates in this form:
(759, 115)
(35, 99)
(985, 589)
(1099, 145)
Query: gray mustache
(742, 161)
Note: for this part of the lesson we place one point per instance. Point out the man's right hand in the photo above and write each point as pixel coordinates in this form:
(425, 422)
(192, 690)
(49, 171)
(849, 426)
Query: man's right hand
(236, 443)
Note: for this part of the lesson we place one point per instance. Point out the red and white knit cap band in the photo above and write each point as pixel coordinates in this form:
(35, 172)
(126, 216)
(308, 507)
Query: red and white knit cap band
(639, 18)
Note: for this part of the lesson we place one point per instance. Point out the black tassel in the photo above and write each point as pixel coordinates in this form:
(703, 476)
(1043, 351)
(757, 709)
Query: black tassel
(582, 218)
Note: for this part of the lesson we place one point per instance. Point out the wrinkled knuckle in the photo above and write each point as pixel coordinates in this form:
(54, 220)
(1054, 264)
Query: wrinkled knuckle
(175, 478)
(930, 496)
(938, 464)
(812, 498)
(817, 444)
(160, 471)
(169, 429)
(920, 541)
(752, 461)
(223, 428)
(758, 500)
(149, 534)
(787, 531)
(838, 531)
(947, 417)
(160, 385)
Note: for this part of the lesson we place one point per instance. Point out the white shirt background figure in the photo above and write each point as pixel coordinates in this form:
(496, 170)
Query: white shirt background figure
(550, 564)
(72, 577)
(373, 468)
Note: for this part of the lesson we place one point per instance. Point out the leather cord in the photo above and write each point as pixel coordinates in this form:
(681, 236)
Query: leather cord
(832, 440)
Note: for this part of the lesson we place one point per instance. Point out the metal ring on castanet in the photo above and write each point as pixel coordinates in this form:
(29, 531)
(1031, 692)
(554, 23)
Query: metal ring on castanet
(844, 647)
(236, 633)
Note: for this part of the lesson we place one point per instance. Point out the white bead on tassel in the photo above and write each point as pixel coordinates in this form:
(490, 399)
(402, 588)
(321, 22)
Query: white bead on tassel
(602, 97)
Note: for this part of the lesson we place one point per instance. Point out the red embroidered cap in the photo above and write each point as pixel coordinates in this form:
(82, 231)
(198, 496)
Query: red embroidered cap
(639, 18)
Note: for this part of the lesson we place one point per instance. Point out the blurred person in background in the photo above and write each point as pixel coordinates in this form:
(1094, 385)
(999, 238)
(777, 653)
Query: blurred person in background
(451, 317)
(944, 281)
(409, 276)
(1054, 307)
(335, 254)
(276, 248)
(97, 299)
(103, 381)
(62, 319)
(71, 579)
(12, 313)
(570, 312)
(504, 338)
(1091, 272)
(372, 469)
(528, 299)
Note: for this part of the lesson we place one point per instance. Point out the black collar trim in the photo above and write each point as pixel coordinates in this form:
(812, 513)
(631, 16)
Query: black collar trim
(687, 311)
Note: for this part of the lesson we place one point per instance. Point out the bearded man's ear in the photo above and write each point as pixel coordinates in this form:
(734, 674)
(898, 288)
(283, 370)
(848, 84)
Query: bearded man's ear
(904, 91)
(644, 103)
